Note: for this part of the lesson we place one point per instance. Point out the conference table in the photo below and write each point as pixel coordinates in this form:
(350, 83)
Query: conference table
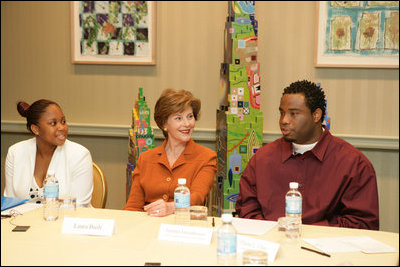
(135, 242)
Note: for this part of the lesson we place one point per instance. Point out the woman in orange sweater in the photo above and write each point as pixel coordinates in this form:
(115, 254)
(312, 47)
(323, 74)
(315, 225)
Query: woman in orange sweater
(157, 170)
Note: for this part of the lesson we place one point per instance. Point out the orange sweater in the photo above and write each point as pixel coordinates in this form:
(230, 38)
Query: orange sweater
(153, 178)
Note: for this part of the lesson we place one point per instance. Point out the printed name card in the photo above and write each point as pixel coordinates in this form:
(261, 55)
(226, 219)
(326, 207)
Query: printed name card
(245, 243)
(88, 226)
(187, 234)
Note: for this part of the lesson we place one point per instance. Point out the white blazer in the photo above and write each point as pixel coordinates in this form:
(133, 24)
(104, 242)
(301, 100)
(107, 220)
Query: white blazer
(71, 162)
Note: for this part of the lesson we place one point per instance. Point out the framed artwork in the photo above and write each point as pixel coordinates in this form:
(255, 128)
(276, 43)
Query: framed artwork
(113, 32)
(357, 34)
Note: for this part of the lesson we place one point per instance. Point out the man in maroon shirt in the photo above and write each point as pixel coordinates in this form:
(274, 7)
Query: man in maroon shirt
(337, 182)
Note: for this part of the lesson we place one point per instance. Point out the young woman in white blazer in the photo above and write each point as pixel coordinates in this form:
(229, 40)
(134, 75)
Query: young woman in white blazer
(28, 162)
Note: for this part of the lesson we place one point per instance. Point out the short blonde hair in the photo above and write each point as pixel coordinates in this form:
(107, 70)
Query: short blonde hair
(173, 101)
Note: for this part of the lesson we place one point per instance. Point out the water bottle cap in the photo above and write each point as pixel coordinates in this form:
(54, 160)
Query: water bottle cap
(226, 217)
(50, 173)
(182, 181)
(294, 185)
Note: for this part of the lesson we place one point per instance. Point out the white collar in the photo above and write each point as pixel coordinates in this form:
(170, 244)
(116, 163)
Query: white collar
(301, 149)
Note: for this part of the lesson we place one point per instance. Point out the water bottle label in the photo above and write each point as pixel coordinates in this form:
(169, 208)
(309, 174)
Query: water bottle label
(51, 191)
(293, 204)
(182, 200)
(227, 245)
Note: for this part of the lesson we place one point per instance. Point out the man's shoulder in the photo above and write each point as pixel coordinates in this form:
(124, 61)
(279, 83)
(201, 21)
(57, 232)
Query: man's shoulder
(271, 148)
(341, 147)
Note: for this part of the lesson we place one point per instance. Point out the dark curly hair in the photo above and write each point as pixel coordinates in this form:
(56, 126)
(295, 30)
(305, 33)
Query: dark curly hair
(315, 97)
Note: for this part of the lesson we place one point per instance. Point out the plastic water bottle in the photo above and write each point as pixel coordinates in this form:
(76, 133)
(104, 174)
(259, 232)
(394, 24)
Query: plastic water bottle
(182, 202)
(226, 249)
(293, 211)
(51, 190)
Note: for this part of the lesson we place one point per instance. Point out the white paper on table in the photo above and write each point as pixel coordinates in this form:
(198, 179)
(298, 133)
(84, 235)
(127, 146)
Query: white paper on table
(252, 227)
(350, 244)
(245, 243)
(21, 209)
(370, 245)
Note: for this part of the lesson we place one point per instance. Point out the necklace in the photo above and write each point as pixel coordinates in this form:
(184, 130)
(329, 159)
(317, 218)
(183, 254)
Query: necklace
(173, 155)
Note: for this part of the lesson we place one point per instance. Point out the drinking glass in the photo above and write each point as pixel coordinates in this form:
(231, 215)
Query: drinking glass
(198, 215)
(255, 258)
(67, 203)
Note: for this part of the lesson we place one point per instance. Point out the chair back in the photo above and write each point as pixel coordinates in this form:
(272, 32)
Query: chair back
(99, 195)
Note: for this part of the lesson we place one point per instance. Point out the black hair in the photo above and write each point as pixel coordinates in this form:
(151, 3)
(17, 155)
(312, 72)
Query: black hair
(315, 97)
(33, 112)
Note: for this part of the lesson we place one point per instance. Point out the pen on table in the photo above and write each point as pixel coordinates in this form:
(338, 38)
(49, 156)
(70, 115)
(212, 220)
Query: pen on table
(312, 250)
(213, 222)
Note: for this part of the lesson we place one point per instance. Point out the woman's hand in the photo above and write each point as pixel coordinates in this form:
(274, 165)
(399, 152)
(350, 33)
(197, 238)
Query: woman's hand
(160, 208)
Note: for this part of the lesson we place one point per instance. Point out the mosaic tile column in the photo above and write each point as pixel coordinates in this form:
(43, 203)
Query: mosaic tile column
(141, 137)
(239, 119)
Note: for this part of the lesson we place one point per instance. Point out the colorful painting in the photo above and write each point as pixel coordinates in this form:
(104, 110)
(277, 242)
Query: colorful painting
(113, 32)
(359, 34)
(239, 119)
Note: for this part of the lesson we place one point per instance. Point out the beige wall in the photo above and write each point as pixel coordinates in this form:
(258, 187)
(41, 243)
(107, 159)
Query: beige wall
(36, 63)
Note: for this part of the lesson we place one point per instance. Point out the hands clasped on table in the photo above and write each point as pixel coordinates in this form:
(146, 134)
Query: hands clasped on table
(159, 208)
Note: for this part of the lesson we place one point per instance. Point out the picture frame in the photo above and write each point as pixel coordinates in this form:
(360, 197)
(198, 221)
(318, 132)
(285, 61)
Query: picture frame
(357, 34)
(113, 32)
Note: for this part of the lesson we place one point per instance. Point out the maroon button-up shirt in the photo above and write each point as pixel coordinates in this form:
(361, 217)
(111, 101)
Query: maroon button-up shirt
(337, 182)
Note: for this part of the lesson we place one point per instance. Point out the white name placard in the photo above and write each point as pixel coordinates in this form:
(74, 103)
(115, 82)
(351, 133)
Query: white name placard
(245, 243)
(187, 234)
(88, 226)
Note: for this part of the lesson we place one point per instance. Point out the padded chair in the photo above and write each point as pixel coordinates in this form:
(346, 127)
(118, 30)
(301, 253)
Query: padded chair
(99, 195)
